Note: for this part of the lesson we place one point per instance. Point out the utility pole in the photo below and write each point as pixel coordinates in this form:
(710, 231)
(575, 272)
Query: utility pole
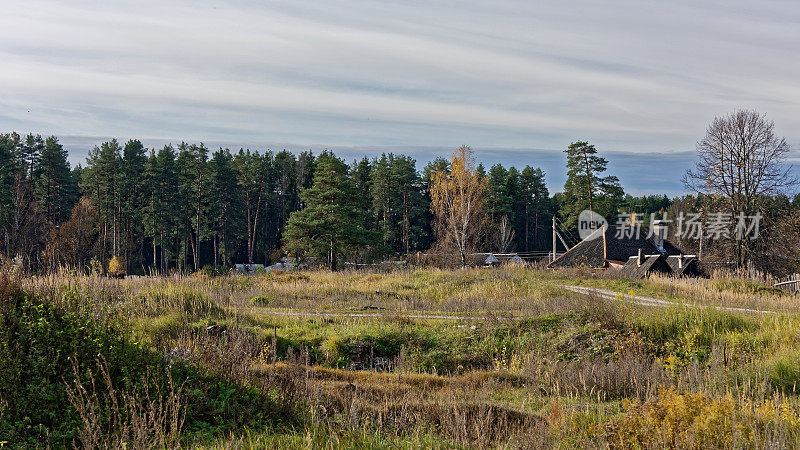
(554, 239)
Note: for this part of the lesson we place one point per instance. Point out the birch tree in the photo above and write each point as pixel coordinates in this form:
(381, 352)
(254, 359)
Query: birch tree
(457, 203)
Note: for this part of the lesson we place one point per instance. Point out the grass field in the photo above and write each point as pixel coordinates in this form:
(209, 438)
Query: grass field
(498, 358)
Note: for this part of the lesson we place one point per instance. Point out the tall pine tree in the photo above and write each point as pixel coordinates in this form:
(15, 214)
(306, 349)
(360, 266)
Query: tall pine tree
(226, 208)
(586, 187)
(331, 222)
(53, 183)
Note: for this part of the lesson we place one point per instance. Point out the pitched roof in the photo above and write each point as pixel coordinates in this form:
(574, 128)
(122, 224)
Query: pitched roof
(595, 251)
(651, 263)
(683, 264)
(589, 252)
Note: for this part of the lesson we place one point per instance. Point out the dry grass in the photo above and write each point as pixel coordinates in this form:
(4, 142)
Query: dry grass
(567, 370)
(126, 417)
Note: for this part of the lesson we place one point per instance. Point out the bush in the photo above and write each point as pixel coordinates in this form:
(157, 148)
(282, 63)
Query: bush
(260, 300)
(116, 267)
(65, 377)
(38, 345)
(214, 271)
(784, 371)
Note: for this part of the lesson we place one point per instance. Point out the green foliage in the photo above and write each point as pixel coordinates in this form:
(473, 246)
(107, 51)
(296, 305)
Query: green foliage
(54, 190)
(585, 187)
(744, 286)
(8, 145)
(783, 371)
(133, 199)
(226, 206)
(398, 204)
(331, 222)
(41, 343)
(38, 343)
(260, 300)
(161, 213)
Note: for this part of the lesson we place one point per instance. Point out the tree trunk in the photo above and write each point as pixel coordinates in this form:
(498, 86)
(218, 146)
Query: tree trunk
(332, 258)
(216, 252)
(224, 250)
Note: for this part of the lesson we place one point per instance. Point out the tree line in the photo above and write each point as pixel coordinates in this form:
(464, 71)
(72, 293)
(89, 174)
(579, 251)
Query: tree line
(183, 207)
(180, 208)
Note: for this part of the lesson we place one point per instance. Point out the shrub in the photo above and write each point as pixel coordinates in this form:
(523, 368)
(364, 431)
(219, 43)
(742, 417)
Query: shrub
(214, 271)
(260, 300)
(784, 371)
(696, 420)
(131, 393)
(116, 267)
(38, 344)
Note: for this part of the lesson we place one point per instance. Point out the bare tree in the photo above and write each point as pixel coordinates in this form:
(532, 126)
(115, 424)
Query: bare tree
(505, 235)
(742, 161)
(457, 202)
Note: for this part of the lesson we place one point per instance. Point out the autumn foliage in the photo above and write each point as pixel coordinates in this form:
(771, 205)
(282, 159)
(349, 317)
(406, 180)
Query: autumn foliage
(73, 243)
(457, 203)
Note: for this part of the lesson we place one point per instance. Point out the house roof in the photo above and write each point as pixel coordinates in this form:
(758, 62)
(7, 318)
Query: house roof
(508, 257)
(651, 263)
(589, 252)
(679, 264)
(604, 245)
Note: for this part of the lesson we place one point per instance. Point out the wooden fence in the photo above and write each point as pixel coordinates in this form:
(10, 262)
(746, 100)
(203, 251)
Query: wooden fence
(792, 284)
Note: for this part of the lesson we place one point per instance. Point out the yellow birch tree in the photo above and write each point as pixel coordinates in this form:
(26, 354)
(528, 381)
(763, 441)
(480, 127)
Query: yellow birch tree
(457, 203)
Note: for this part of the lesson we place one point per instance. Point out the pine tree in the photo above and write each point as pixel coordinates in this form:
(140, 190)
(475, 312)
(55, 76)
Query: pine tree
(286, 199)
(361, 175)
(255, 181)
(497, 202)
(26, 229)
(439, 164)
(101, 179)
(28, 153)
(226, 209)
(585, 187)
(185, 196)
(535, 199)
(162, 210)
(194, 186)
(8, 169)
(133, 198)
(53, 182)
(331, 222)
(381, 193)
(411, 206)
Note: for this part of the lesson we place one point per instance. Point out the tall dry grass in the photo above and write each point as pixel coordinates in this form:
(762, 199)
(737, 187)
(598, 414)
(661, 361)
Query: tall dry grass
(136, 417)
(533, 397)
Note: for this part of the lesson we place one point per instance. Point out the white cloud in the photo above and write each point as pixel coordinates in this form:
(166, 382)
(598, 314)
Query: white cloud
(637, 76)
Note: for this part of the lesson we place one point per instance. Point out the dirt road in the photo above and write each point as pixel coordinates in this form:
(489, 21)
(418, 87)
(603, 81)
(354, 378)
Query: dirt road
(650, 301)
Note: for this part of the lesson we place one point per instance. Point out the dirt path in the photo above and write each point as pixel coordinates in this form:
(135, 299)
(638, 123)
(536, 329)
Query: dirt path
(650, 301)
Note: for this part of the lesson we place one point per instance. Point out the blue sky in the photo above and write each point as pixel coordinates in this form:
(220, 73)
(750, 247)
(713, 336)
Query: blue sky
(516, 80)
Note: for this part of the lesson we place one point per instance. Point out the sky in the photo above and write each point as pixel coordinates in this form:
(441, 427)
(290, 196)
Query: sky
(516, 80)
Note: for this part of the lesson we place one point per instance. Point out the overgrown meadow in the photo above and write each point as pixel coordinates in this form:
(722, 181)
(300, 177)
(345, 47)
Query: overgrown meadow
(488, 358)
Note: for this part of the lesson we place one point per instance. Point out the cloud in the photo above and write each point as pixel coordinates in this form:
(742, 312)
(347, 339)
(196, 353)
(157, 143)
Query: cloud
(629, 76)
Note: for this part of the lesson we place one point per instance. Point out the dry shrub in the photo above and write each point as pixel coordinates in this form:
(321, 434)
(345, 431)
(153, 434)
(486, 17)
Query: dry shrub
(630, 375)
(10, 291)
(288, 277)
(227, 352)
(695, 420)
(134, 416)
